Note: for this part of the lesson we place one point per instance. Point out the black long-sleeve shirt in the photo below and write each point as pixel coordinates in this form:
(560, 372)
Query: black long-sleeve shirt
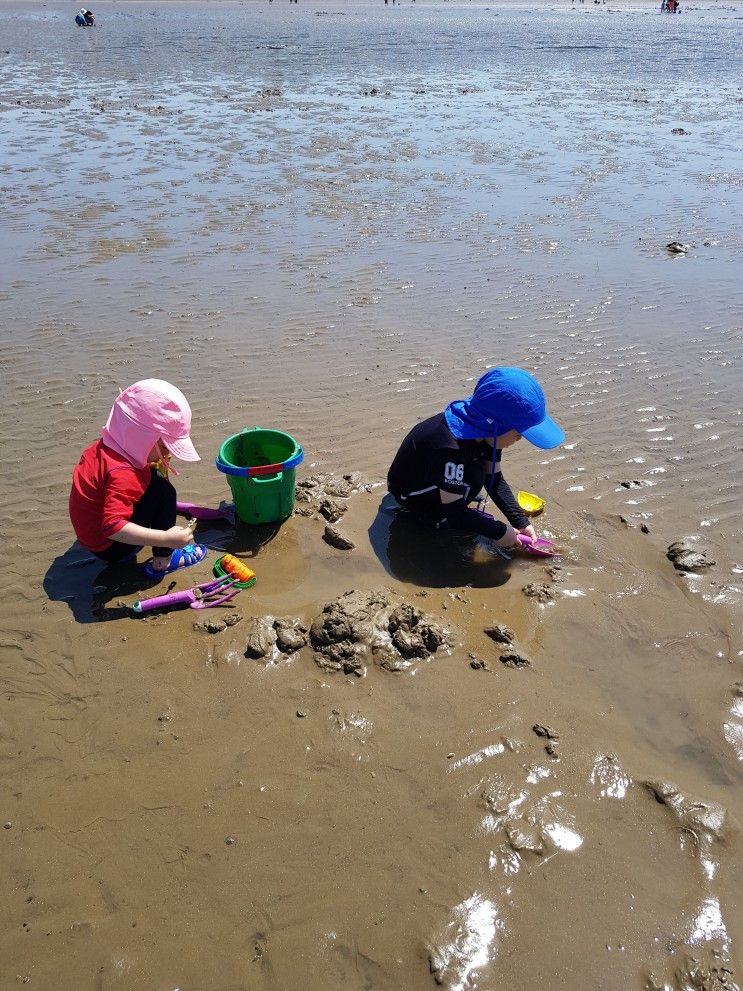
(432, 458)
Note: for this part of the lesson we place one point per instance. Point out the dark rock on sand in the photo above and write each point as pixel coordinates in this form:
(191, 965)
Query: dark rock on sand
(686, 557)
(500, 633)
(336, 539)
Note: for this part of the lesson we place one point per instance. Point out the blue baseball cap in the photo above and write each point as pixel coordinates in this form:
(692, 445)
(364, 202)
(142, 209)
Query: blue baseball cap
(505, 399)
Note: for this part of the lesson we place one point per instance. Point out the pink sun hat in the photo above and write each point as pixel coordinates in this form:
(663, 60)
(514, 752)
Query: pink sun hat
(143, 414)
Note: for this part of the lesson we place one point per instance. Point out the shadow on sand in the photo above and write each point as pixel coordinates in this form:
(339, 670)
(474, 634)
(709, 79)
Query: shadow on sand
(419, 555)
(88, 585)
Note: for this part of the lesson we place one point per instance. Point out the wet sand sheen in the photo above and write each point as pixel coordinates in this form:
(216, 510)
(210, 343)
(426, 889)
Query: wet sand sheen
(308, 242)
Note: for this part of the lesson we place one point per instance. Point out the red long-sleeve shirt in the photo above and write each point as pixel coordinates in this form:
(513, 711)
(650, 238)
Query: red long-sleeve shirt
(105, 489)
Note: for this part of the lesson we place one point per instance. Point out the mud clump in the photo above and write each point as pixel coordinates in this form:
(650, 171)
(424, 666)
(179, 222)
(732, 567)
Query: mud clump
(706, 977)
(524, 837)
(218, 625)
(323, 496)
(266, 635)
(362, 627)
(514, 660)
(706, 820)
(336, 539)
(478, 665)
(291, 636)
(684, 556)
(261, 639)
(555, 572)
(319, 488)
(500, 633)
(461, 945)
(540, 591)
(505, 637)
(332, 509)
(697, 975)
(546, 732)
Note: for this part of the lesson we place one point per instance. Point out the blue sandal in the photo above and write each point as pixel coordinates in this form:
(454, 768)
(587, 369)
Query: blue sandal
(181, 558)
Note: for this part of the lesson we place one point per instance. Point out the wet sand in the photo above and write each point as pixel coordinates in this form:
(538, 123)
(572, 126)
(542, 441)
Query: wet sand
(336, 242)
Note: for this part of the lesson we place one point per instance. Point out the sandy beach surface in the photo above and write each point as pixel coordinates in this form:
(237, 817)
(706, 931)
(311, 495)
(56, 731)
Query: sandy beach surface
(330, 219)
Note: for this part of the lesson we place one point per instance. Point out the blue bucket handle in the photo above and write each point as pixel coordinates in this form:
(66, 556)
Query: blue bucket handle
(259, 470)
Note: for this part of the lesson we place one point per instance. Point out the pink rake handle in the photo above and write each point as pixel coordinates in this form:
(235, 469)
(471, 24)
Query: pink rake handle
(204, 512)
(165, 601)
(199, 597)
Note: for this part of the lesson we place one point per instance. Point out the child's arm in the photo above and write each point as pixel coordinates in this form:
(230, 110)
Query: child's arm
(502, 495)
(121, 494)
(131, 533)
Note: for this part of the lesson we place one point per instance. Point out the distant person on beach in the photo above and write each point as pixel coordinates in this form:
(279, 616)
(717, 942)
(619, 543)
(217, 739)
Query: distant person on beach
(84, 18)
(444, 462)
(121, 498)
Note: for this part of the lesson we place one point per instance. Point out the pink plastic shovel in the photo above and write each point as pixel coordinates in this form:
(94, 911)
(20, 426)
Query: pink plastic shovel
(541, 547)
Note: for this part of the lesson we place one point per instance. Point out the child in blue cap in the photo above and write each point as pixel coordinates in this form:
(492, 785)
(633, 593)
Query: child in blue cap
(444, 462)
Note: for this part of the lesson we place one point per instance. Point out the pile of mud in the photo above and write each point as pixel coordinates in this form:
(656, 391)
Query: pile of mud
(353, 631)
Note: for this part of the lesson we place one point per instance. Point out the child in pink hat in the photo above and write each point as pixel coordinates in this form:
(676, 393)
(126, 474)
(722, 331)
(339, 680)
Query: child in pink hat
(121, 498)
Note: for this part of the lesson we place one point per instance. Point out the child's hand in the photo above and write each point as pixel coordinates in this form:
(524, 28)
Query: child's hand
(509, 538)
(530, 532)
(178, 537)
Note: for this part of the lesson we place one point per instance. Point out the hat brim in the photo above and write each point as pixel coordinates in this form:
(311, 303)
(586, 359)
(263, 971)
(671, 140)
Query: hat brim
(545, 434)
(182, 448)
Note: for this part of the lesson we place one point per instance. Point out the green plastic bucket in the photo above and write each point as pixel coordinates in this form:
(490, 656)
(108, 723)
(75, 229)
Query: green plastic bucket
(260, 468)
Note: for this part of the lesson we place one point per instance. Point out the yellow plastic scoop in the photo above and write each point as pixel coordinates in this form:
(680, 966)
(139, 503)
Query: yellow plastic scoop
(531, 504)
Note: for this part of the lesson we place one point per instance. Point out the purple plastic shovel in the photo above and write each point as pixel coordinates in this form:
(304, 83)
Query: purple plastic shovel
(213, 593)
(541, 547)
